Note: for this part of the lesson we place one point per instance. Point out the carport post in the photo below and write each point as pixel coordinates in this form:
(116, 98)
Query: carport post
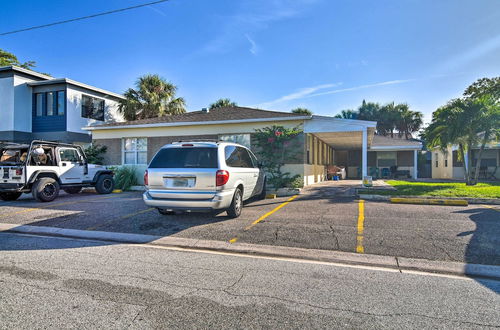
(364, 153)
(415, 164)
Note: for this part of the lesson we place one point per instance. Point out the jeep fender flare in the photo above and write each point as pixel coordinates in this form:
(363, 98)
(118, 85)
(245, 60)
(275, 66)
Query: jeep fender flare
(101, 172)
(43, 174)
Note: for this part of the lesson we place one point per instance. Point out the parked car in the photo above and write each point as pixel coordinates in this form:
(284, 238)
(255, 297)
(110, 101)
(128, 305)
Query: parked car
(43, 168)
(203, 176)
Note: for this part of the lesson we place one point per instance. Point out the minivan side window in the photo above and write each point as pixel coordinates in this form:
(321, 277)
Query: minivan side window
(237, 157)
(255, 162)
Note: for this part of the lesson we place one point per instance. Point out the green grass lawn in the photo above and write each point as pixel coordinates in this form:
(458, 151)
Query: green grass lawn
(452, 189)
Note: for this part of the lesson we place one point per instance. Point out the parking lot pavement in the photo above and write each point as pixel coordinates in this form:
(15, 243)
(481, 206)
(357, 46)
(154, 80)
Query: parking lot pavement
(318, 219)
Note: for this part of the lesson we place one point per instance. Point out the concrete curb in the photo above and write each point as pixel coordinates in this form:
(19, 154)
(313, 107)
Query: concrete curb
(491, 201)
(401, 264)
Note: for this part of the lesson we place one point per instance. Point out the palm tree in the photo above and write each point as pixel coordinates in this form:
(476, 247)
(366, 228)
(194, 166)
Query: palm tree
(347, 114)
(466, 122)
(407, 122)
(153, 97)
(302, 111)
(221, 103)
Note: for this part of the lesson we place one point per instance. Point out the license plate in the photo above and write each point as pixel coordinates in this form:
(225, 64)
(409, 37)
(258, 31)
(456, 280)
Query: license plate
(180, 182)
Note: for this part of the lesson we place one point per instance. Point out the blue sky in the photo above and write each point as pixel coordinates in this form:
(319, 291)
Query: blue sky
(326, 55)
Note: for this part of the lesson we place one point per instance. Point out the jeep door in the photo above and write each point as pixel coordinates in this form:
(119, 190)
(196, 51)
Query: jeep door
(71, 166)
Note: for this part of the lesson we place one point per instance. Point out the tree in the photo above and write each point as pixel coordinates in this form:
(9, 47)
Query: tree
(302, 111)
(347, 114)
(221, 103)
(466, 122)
(153, 97)
(7, 59)
(484, 86)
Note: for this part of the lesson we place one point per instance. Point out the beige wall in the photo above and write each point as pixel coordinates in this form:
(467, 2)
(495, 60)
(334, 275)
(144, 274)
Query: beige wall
(451, 172)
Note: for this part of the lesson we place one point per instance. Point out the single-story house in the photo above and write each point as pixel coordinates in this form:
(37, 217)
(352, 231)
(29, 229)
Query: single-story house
(324, 141)
(36, 106)
(448, 165)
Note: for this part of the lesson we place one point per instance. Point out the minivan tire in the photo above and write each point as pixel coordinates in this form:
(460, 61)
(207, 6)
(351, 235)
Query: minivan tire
(234, 210)
(45, 190)
(10, 196)
(105, 184)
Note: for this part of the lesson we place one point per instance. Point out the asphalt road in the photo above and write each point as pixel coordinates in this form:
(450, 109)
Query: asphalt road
(66, 283)
(317, 219)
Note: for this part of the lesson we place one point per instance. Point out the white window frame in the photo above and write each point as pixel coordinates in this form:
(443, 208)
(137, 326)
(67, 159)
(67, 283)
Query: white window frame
(135, 151)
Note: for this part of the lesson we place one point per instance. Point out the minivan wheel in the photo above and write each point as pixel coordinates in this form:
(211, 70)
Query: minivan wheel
(45, 189)
(234, 210)
(10, 196)
(165, 212)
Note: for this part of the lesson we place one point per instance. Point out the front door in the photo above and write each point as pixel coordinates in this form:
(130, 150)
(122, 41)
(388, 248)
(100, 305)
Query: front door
(71, 166)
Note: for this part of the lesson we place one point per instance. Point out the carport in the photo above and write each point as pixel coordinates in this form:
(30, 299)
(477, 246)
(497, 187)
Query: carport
(354, 145)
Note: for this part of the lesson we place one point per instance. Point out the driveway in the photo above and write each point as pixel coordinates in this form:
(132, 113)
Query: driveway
(323, 217)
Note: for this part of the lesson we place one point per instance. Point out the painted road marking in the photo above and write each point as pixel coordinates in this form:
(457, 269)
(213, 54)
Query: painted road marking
(130, 215)
(234, 239)
(361, 221)
(496, 208)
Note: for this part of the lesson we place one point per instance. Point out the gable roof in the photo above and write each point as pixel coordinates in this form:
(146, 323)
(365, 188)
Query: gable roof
(224, 114)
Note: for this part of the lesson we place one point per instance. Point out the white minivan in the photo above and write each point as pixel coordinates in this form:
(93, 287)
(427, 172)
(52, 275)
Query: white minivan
(203, 176)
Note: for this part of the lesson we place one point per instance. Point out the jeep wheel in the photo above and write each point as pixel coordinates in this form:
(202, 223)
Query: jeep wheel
(45, 189)
(105, 184)
(72, 190)
(10, 196)
(234, 210)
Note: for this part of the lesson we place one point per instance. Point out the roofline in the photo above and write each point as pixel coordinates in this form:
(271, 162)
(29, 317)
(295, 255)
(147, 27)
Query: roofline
(194, 123)
(26, 71)
(75, 83)
(395, 147)
(358, 122)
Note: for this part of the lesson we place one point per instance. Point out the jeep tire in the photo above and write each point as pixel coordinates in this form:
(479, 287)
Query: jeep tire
(45, 189)
(72, 190)
(234, 210)
(105, 184)
(10, 196)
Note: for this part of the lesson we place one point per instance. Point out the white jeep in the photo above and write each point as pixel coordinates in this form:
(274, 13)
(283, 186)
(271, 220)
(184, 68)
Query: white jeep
(43, 168)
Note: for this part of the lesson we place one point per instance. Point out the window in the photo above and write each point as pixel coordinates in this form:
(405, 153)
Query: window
(50, 103)
(135, 151)
(237, 157)
(386, 158)
(436, 156)
(446, 163)
(185, 157)
(243, 139)
(69, 155)
(488, 158)
(92, 108)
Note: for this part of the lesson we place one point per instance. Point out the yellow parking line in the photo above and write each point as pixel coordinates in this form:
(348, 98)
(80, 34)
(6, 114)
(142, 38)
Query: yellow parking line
(126, 216)
(234, 239)
(361, 220)
(496, 208)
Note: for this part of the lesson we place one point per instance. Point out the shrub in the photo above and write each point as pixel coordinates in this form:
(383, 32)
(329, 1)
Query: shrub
(125, 177)
(94, 153)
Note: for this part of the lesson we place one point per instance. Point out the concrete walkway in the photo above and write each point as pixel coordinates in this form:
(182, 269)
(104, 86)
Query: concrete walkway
(342, 188)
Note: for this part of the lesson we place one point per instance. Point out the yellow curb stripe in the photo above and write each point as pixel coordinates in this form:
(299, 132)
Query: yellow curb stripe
(497, 208)
(429, 201)
(234, 239)
(361, 221)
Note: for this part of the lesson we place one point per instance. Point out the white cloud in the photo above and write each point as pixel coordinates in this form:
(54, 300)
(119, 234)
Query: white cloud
(355, 88)
(254, 48)
(473, 54)
(299, 94)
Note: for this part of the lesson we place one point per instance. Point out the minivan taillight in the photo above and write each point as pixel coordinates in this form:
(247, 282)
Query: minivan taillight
(221, 178)
(146, 178)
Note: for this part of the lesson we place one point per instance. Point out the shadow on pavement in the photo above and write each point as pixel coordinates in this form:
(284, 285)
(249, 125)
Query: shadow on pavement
(484, 244)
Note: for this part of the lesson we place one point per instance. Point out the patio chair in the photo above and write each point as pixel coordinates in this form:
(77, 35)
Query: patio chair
(386, 173)
(374, 172)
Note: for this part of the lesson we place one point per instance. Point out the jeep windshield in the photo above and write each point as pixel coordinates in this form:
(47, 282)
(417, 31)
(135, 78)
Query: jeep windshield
(13, 154)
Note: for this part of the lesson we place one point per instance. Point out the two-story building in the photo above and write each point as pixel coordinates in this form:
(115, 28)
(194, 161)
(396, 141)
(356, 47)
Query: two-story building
(37, 106)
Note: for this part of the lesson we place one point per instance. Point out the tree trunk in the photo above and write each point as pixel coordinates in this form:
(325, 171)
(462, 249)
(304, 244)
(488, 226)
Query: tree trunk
(478, 163)
(466, 167)
(469, 164)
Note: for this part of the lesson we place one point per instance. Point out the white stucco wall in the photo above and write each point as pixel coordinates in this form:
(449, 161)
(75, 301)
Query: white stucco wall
(75, 122)
(23, 100)
(6, 104)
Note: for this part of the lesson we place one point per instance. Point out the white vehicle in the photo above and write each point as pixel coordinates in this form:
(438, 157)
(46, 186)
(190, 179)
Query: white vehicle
(43, 168)
(203, 176)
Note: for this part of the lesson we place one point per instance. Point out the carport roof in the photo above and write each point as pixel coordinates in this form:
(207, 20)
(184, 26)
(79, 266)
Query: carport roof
(389, 143)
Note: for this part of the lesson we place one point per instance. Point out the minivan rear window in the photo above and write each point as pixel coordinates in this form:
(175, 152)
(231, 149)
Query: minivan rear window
(185, 157)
